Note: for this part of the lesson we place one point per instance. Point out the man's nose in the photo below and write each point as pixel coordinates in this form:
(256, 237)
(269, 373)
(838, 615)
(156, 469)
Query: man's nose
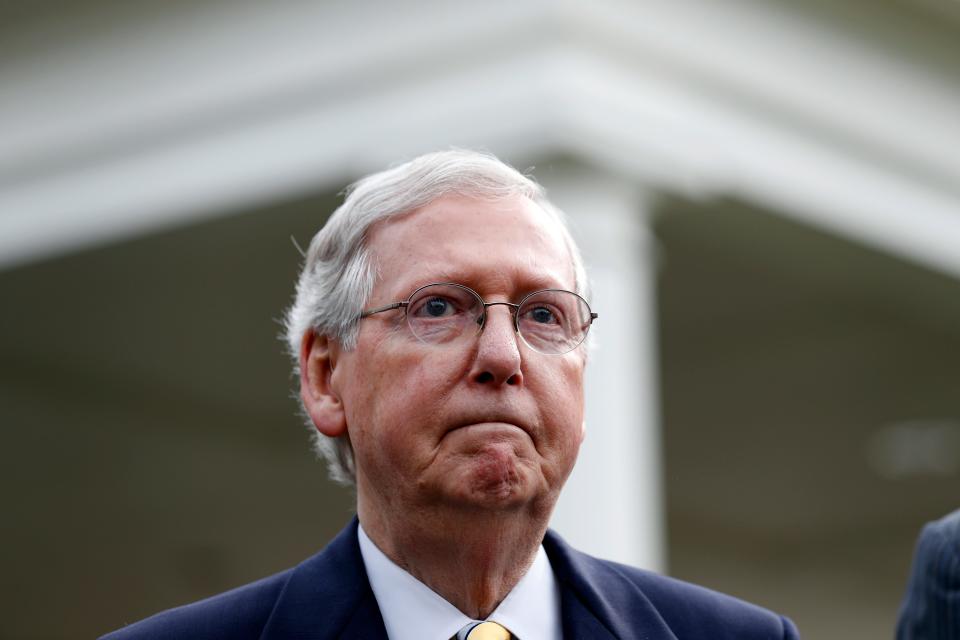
(498, 350)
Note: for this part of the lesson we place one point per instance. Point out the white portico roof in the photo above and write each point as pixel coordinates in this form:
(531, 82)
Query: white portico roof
(137, 121)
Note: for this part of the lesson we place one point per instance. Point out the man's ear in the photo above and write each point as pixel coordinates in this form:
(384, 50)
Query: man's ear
(323, 405)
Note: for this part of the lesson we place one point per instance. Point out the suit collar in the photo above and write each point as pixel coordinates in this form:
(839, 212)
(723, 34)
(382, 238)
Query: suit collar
(328, 596)
(598, 601)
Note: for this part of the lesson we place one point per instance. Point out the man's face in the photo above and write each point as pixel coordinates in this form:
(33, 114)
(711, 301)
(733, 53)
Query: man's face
(488, 423)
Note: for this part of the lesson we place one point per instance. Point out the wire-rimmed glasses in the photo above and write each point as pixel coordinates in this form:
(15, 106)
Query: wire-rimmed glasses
(549, 321)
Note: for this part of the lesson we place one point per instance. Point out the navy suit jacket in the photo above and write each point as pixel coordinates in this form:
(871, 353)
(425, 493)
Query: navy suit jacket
(931, 607)
(328, 596)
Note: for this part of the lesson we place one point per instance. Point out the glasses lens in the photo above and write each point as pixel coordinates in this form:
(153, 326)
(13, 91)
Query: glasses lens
(442, 313)
(553, 321)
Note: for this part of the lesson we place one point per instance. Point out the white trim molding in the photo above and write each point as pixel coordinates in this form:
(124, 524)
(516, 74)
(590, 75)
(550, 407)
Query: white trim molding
(220, 105)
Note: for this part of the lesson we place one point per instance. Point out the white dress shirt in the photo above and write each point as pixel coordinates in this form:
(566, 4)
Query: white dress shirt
(412, 611)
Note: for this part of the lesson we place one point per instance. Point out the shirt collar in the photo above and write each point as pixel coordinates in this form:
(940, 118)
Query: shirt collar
(412, 611)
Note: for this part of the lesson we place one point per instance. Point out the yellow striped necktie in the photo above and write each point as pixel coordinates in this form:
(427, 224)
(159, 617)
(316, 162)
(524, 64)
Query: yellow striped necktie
(483, 631)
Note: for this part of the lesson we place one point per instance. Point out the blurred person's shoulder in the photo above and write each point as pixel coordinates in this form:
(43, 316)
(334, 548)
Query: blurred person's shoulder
(937, 556)
(929, 608)
(948, 526)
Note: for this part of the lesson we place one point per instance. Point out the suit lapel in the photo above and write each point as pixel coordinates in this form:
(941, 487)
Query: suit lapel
(578, 620)
(597, 601)
(328, 596)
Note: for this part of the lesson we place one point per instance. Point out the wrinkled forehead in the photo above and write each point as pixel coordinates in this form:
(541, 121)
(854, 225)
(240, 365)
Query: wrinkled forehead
(458, 236)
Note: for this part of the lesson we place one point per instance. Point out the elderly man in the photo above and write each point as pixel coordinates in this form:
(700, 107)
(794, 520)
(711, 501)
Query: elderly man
(439, 330)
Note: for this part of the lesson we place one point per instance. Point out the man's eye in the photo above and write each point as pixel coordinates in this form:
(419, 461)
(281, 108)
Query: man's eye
(435, 307)
(542, 315)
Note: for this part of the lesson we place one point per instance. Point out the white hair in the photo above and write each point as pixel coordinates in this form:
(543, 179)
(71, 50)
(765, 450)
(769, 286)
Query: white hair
(338, 271)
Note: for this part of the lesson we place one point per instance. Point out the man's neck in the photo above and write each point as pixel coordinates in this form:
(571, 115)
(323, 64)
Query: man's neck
(473, 560)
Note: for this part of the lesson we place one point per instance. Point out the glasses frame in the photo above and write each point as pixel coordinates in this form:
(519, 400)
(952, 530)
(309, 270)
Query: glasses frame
(514, 311)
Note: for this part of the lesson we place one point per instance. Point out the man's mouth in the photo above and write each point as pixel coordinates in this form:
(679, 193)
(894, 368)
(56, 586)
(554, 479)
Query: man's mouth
(491, 418)
(494, 426)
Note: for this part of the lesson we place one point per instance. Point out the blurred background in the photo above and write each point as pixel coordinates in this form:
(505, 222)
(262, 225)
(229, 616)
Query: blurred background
(767, 194)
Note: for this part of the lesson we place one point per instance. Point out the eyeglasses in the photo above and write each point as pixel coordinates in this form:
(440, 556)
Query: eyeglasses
(550, 321)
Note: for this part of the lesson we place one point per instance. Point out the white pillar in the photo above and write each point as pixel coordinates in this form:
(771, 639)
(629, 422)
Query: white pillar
(612, 506)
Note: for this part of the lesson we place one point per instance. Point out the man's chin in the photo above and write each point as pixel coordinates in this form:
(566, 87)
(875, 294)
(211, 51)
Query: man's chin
(494, 478)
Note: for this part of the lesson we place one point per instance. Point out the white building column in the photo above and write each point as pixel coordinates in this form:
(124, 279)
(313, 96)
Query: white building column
(612, 505)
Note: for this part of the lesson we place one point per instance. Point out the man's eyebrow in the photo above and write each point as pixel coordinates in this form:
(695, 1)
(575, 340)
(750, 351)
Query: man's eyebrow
(436, 277)
(520, 287)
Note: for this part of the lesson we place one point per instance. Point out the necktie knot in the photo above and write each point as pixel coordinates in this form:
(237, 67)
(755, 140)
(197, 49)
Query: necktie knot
(483, 631)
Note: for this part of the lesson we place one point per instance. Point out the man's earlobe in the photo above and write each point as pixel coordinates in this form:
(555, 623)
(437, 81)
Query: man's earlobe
(323, 405)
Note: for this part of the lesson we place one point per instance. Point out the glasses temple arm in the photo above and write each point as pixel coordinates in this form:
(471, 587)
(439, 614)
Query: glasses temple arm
(395, 305)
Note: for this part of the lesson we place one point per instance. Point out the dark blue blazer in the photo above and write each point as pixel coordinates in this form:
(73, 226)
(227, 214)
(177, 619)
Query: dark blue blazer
(931, 607)
(328, 596)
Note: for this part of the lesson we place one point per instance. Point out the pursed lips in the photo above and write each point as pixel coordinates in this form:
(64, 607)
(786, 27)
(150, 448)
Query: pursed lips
(502, 419)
